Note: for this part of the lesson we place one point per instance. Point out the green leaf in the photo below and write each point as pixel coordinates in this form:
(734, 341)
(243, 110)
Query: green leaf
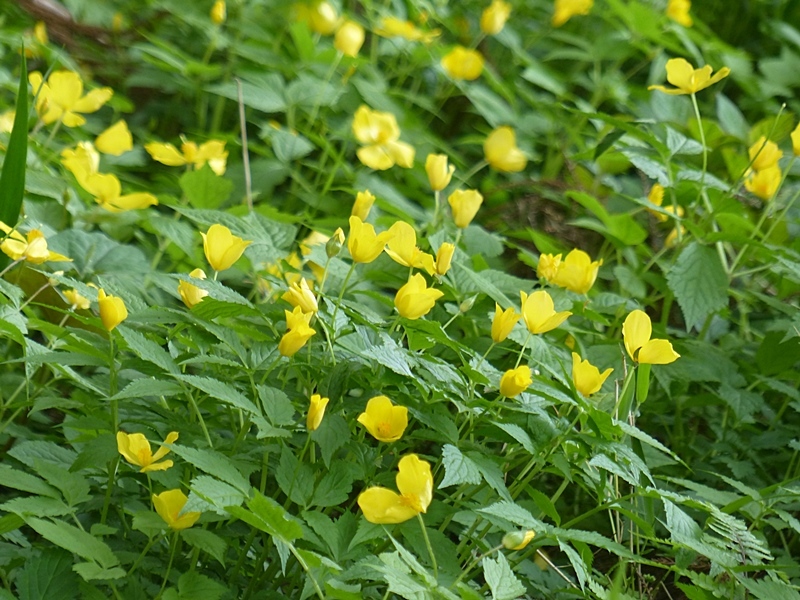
(221, 391)
(76, 541)
(331, 435)
(18, 480)
(262, 91)
(270, 517)
(149, 523)
(501, 579)
(731, 120)
(12, 179)
(146, 386)
(491, 473)
(148, 350)
(204, 188)
(295, 479)
(193, 585)
(335, 486)
(74, 487)
(213, 463)
(90, 570)
(217, 494)
(289, 146)
(208, 542)
(48, 575)
(699, 283)
(458, 468)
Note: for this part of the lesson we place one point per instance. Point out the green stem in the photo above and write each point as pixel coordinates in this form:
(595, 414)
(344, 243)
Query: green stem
(135, 565)
(341, 295)
(522, 350)
(200, 419)
(428, 545)
(173, 549)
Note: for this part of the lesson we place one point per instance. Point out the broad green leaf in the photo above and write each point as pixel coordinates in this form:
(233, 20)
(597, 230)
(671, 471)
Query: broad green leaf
(147, 386)
(74, 487)
(334, 487)
(270, 517)
(193, 585)
(76, 541)
(204, 188)
(19, 480)
(295, 479)
(458, 468)
(48, 575)
(213, 463)
(91, 570)
(502, 582)
(148, 350)
(208, 542)
(699, 283)
(289, 146)
(262, 91)
(217, 494)
(221, 391)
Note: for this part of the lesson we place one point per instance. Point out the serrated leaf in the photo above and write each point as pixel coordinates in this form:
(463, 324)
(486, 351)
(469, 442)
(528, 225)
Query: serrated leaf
(19, 480)
(90, 571)
(193, 585)
(147, 349)
(221, 391)
(208, 542)
(204, 188)
(699, 283)
(146, 386)
(270, 517)
(217, 494)
(48, 575)
(213, 463)
(295, 479)
(331, 435)
(334, 487)
(76, 541)
(502, 582)
(458, 468)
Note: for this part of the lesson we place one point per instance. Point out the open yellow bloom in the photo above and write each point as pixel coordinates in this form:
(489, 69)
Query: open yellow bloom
(548, 266)
(169, 505)
(316, 411)
(212, 152)
(402, 248)
(439, 173)
(415, 483)
(678, 11)
(517, 540)
(503, 323)
(444, 256)
(364, 245)
(764, 183)
(107, 192)
(586, 376)
(135, 448)
(764, 154)
(349, 38)
(222, 248)
(379, 133)
(796, 140)
(494, 17)
(636, 332)
(566, 9)
(394, 27)
(384, 421)
(538, 312)
(415, 299)
(76, 301)
(115, 140)
(464, 205)
(81, 161)
(112, 310)
(577, 272)
(191, 294)
(31, 248)
(500, 149)
(300, 294)
(463, 63)
(515, 381)
(688, 80)
(62, 98)
(319, 15)
(298, 331)
(362, 205)
(219, 12)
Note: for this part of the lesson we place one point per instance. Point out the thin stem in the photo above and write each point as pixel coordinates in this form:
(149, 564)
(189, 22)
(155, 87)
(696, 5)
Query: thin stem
(200, 419)
(322, 89)
(341, 295)
(248, 183)
(522, 350)
(308, 571)
(545, 558)
(135, 565)
(11, 266)
(169, 564)
(428, 545)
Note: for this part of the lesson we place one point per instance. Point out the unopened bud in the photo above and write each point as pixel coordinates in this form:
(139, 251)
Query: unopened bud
(517, 540)
(467, 304)
(335, 243)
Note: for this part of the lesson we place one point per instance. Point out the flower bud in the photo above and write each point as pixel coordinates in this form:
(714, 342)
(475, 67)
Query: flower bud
(465, 205)
(112, 310)
(515, 381)
(467, 304)
(218, 12)
(494, 17)
(349, 38)
(517, 540)
(439, 173)
(335, 243)
(191, 294)
(362, 205)
(444, 257)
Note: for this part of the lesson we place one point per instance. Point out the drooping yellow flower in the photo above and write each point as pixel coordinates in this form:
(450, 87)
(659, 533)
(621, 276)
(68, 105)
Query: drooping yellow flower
(444, 256)
(463, 63)
(503, 323)
(501, 151)
(656, 196)
(31, 248)
(402, 248)
(81, 161)
(319, 15)
(135, 448)
(349, 38)
(764, 154)
(191, 294)
(764, 183)
(212, 152)
(566, 9)
(300, 294)
(298, 331)
(577, 272)
(115, 140)
(464, 204)
(62, 98)
(222, 248)
(385, 421)
(688, 80)
(169, 505)
(636, 332)
(678, 11)
(380, 134)
(7, 121)
(112, 310)
(517, 540)
(76, 301)
(538, 312)
(219, 12)
(316, 411)
(415, 483)
(362, 205)
(364, 245)
(439, 173)
(515, 381)
(415, 299)
(494, 17)
(394, 27)
(796, 140)
(107, 192)
(548, 266)
(586, 376)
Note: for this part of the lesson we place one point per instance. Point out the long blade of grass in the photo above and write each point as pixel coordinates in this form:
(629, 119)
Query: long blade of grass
(12, 179)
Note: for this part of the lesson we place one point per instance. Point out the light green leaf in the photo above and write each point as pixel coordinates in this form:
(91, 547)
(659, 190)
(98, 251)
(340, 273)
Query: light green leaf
(208, 542)
(148, 350)
(270, 517)
(458, 468)
(213, 463)
(48, 575)
(204, 188)
(502, 582)
(76, 541)
(221, 391)
(699, 283)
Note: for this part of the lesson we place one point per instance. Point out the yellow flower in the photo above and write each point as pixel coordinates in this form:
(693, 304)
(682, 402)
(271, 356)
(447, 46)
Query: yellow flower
(515, 381)
(586, 376)
(764, 183)
(7, 121)
(539, 313)
(415, 483)
(379, 133)
(219, 12)
(577, 272)
(40, 33)
(222, 248)
(672, 237)
(298, 331)
(764, 154)
(62, 98)
(319, 15)
(439, 174)
(349, 38)
(107, 192)
(444, 256)
(212, 152)
(656, 196)
(81, 161)
(384, 421)
(300, 294)
(636, 332)
(112, 310)
(169, 505)
(31, 248)
(796, 140)
(503, 323)
(494, 17)
(517, 540)
(548, 266)
(500, 149)
(363, 244)
(566, 9)
(402, 248)
(191, 294)
(362, 205)
(394, 27)
(463, 63)
(135, 448)
(115, 140)
(76, 301)
(316, 411)
(688, 80)
(678, 11)
(415, 299)
(465, 205)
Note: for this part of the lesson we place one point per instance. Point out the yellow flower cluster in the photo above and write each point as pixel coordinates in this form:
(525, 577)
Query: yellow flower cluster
(656, 197)
(576, 272)
(765, 177)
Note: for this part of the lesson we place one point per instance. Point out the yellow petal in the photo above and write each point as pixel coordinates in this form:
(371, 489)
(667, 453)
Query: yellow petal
(657, 352)
(166, 154)
(636, 331)
(115, 140)
(383, 506)
(375, 157)
(415, 482)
